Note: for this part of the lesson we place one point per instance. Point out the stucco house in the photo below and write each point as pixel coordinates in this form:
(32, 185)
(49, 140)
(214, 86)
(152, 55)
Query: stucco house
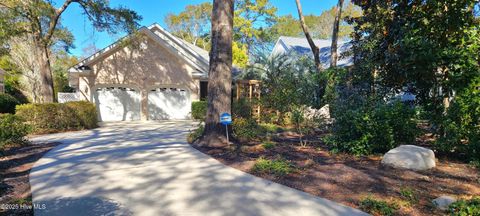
(300, 46)
(2, 83)
(150, 75)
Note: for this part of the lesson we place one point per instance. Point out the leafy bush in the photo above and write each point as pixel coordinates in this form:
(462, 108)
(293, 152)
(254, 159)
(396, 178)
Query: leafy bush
(199, 110)
(268, 145)
(245, 128)
(409, 195)
(372, 128)
(55, 117)
(466, 207)
(271, 128)
(302, 124)
(7, 103)
(475, 163)
(287, 81)
(242, 108)
(12, 130)
(269, 117)
(277, 167)
(460, 129)
(195, 134)
(378, 207)
(86, 113)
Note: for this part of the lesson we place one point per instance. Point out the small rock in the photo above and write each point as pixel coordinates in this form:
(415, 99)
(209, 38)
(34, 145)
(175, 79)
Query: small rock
(443, 202)
(410, 157)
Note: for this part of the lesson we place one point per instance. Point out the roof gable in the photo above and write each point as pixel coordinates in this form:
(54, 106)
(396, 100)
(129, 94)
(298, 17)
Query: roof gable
(184, 50)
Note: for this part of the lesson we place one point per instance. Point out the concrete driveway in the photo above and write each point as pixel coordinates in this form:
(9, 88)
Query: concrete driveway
(147, 168)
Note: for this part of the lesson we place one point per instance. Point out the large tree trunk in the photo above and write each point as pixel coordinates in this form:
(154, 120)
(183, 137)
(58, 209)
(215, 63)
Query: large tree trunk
(315, 50)
(336, 28)
(220, 75)
(45, 70)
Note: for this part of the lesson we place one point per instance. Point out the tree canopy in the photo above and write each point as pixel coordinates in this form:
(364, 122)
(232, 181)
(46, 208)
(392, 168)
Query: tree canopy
(252, 19)
(320, 27)
(192, 24)
(430, 49)
(39, 22)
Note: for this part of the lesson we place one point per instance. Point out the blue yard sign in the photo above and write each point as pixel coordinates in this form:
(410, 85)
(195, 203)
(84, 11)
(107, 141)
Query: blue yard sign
(226, 118)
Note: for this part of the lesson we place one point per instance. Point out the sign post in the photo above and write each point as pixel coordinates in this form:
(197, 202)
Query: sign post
(226, 119)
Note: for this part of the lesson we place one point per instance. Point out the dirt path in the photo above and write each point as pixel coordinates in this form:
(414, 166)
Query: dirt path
(15, 165)
(348, 179)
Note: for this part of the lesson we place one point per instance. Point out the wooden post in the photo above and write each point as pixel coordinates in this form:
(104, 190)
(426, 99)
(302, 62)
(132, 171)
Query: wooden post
(259, 107)
(253, 92)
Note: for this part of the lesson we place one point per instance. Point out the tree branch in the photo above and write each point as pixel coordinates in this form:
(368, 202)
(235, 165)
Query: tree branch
(336, 29)
(315, 50)
(54, 21)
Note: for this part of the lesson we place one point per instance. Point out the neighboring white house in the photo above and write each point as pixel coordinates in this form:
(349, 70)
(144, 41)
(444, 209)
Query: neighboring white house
(300, 46)
(2, 83)
(152, 75)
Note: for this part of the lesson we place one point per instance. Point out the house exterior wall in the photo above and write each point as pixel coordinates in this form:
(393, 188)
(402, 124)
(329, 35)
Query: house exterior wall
(144, 67)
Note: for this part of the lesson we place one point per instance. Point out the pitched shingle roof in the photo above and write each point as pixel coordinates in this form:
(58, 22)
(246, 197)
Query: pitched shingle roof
(287, 45)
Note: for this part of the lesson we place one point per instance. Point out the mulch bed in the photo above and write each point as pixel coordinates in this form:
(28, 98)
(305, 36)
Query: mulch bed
(347, 179)
(15, 165)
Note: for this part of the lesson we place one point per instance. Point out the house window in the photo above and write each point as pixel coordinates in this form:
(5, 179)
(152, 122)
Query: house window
(203, 90)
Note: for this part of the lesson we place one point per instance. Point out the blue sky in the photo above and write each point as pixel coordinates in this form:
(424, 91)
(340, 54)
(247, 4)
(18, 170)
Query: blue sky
(154, 11)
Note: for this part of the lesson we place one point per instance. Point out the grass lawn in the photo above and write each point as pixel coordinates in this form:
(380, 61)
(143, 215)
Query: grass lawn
(360, 182)
(15, 165)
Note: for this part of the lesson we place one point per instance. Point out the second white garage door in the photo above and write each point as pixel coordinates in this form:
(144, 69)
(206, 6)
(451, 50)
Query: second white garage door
(168, 104)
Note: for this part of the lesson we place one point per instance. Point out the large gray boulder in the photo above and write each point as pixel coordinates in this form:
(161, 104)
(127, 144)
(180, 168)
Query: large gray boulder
(311, 113)
(410, 157)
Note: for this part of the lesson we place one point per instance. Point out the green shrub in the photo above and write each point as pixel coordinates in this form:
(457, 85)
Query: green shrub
(466, 207)
(271, 128)
(199, 110)
(55, 117)
(7, 103)
(12, 130)
(242, 108)
(286, 81)
(303, 126)
(459, 130)
(277, 167)
(409, 195)
(270, 117)
(86, 113)
(475, 163)
(195, 134)
(372, 128)
(245, 129)
(378, 207)
(268, 145)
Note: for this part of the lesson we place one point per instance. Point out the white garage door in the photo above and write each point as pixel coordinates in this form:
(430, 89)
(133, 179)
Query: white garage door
(118, 104)
(168, 103)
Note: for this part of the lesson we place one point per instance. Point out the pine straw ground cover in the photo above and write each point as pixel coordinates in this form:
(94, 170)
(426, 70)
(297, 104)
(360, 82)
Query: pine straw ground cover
(15, 165)
(354, 181)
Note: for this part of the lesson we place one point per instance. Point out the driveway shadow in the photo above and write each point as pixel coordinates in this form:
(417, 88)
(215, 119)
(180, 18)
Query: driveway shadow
(153, 171)
(81, 206)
